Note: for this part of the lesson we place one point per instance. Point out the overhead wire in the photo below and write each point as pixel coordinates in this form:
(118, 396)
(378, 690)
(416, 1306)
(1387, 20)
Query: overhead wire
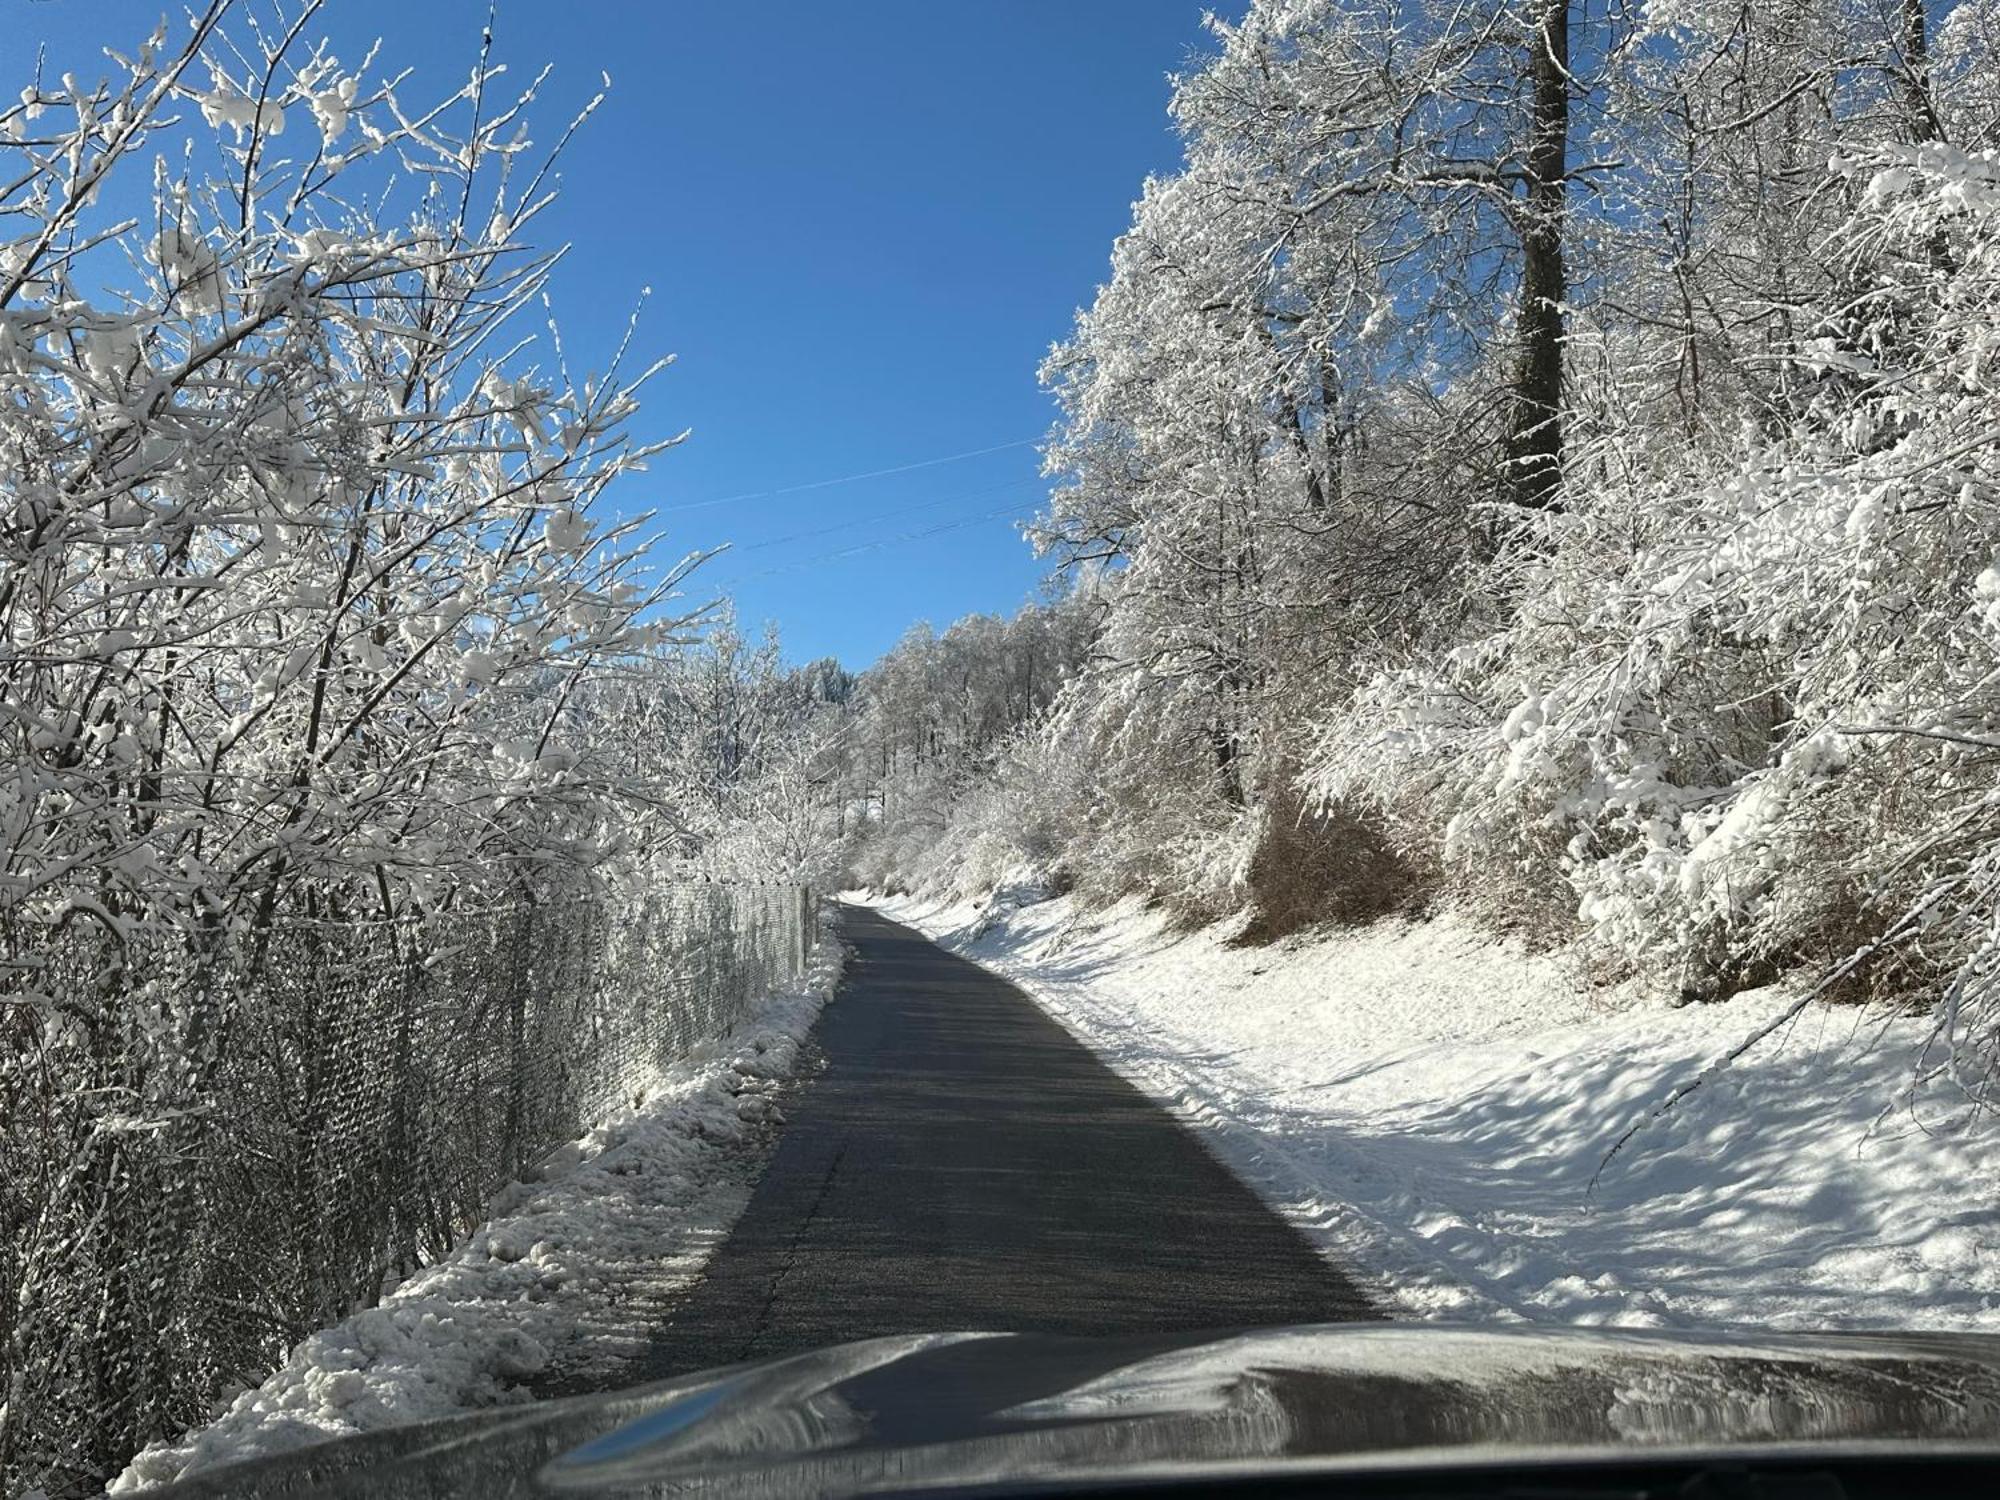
(821, 484)
(887, 515)
(879, 542)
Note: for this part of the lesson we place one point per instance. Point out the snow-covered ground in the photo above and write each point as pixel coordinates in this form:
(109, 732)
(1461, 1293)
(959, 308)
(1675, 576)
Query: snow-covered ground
(560, 1285)
(1430, 1103)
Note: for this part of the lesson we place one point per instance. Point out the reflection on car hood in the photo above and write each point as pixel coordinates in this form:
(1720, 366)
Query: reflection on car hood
(947, 1410)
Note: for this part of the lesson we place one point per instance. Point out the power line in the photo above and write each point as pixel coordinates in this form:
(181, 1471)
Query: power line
(871, 546)
(821, 484)
(887, 515)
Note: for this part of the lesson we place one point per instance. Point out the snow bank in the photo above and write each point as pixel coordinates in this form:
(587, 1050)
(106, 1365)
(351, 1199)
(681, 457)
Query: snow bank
(1429, 1104)
(561, 1286)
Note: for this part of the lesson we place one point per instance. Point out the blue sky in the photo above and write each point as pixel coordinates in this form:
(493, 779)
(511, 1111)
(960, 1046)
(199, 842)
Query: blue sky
(863, 225)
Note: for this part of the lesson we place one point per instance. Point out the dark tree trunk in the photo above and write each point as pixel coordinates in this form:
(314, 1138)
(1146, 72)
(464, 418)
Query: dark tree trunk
(1924, 122)
(1534, 438)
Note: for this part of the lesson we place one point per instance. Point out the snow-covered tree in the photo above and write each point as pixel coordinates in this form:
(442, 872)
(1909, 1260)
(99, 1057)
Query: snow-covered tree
(302, 569)
(1739, 262)
(304, 580)
(932, 722)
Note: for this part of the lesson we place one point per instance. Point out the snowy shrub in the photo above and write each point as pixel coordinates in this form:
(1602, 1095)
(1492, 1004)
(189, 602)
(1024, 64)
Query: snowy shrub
(1147, 806)
(1315, 863)
(1743, 712)
(1006, 829)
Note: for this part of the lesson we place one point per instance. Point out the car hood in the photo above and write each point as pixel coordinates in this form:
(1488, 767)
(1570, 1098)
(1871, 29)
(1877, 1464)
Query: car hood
(951, 1410)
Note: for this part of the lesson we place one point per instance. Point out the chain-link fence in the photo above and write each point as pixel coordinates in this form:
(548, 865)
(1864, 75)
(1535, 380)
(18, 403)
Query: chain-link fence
(209, 1149)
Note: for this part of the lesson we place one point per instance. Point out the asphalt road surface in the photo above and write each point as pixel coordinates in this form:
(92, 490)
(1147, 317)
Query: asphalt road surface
(963, 1162)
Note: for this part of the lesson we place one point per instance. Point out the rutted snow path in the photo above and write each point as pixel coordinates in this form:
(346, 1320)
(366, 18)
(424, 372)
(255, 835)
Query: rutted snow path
(1429, 1104)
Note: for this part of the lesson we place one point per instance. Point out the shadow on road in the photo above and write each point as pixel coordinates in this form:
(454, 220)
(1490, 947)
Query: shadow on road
(963, 1162)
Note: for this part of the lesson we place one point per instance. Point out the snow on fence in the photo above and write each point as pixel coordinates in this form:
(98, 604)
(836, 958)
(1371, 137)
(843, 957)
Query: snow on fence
(208, 1150)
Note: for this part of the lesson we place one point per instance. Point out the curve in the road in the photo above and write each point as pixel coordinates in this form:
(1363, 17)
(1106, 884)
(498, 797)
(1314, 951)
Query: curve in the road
(963, 1162)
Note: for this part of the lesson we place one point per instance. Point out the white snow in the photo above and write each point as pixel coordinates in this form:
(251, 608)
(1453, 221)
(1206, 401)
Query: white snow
(565, 1278)
(1430, 1103)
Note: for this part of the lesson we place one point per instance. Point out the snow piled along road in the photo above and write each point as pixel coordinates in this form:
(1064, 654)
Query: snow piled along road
(561, 1286)
(1429, 1104)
